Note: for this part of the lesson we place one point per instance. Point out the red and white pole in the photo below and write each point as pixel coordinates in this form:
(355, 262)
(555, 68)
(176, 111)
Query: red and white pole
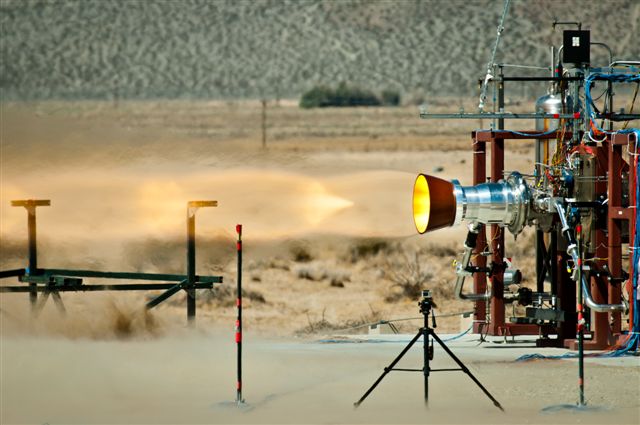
(239, 317)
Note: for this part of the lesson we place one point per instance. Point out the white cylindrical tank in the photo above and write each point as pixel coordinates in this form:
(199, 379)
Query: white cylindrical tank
(550, 104)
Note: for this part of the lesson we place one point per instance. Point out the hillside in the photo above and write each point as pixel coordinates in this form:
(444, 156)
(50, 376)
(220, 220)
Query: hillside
(249, 49)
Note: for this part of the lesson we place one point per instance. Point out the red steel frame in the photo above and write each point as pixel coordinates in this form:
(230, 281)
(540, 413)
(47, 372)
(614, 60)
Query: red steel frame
(605, 327)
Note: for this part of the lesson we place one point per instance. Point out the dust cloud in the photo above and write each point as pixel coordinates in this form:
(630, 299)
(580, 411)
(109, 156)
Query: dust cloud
(119, 197)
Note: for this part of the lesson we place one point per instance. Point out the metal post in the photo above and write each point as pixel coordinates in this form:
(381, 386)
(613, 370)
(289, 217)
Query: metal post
(425, 348)
(264, 123)
(479, 279)
(191, 264)
(33, 252)
(601, 328)
(541, 261)
(614, 227)
(239, 319)
(497, 245)
(30, 205)
(192, 207)
(580, 329)
(501, 99)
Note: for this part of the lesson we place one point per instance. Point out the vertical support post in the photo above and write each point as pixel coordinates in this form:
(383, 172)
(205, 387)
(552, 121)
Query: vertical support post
(497, 245)
(191, 265)
(633, 179)
(599, 282)
(239, 318)
(192, 207)
(614, 227)
(565, 289)
(501, 98)
(30, 205)
(580, 332)
(560, 262)
(264, 123)
(425, 351)
(479, 279)
(542, 254)
(33, 253)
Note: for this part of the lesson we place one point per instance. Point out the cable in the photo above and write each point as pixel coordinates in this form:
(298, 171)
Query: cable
(633, 102)
(631, 345)
(614, 78)
(490, 65)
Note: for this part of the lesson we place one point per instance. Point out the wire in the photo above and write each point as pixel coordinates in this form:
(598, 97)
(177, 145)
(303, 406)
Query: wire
(633, 102)
(632, 342)
(617, 78)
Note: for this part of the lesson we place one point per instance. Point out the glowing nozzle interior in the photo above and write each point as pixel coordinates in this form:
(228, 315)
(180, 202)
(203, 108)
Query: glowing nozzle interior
(438, 203)
(434, 203)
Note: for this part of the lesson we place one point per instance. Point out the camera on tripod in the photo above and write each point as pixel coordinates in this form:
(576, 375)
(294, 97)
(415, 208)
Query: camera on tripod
(426, 303)
(428, 337)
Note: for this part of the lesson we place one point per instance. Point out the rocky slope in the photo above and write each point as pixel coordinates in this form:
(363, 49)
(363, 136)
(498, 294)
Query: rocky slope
(265, 48)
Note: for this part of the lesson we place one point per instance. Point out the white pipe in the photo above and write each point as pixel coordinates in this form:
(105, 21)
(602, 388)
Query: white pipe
(461, 268)
(572, 249)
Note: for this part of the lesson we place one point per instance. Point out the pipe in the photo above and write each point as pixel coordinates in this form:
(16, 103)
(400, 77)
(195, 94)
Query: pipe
(461, 268)
(606, 46)
(572, 249)
(624, 62)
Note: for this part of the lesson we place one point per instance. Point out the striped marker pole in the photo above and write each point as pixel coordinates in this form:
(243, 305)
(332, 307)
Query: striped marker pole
(581, 323)
(239, 317)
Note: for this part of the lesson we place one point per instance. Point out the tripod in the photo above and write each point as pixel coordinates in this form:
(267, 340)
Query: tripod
(426, 305)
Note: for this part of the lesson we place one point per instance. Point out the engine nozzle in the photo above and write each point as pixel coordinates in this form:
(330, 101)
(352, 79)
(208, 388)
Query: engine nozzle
(438, 203)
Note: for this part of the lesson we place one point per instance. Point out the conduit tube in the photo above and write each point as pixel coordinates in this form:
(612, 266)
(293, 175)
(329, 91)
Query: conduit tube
(461, 268)
(572, 249)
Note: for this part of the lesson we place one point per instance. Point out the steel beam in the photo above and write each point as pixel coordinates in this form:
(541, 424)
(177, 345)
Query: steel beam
(44, 275)
(94, 288)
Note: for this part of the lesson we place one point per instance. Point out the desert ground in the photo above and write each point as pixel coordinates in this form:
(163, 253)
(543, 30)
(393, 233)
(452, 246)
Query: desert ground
(329, 248)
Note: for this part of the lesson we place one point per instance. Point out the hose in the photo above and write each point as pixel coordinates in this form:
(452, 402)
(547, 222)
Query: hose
(572, 250)
(461, 268)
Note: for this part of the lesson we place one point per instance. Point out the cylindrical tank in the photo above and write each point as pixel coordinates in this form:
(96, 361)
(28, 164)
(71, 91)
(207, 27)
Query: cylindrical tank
(550, 104)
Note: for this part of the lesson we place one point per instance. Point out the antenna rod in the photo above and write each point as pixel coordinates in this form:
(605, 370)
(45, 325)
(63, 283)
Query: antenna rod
(483, 94)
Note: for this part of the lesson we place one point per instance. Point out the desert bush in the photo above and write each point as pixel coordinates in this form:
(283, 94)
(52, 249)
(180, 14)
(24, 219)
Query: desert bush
(349, 326)
(342, 96)
(317, 271)
(366, 248)
(225, 296)
(442, 250)
(317, 97)
(408, 276)
(390, 97)
(300, 254)
(336, 283)
(309, 272)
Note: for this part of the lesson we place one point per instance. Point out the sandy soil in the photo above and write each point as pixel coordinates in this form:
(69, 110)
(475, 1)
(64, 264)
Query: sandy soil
(328, 236)
(189, 378)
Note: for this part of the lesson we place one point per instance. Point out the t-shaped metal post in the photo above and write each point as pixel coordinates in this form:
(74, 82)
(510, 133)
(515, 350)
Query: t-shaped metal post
(192, 207)
(30, 205)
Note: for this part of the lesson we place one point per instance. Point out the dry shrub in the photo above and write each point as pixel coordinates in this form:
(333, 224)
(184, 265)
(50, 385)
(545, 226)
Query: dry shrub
(316, 271)
(524, 246)
(168, 254)
(442, 250)
(276, 263)
(300, 253)
(407, 273)
(225, 296)
(347, 326)
(367, 248)
(12, 252)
